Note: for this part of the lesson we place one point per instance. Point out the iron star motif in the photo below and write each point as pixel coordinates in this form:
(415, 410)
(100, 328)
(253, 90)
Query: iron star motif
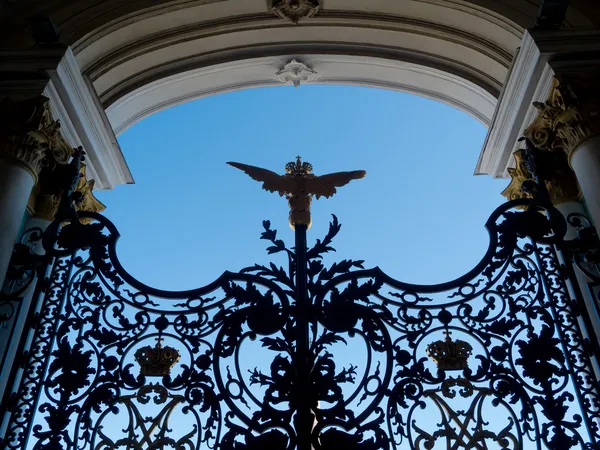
(299, 185)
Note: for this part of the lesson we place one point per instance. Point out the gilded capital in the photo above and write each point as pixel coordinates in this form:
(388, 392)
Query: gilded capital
(568, 117)
(29, 136)
(46, 204)
(553, 168)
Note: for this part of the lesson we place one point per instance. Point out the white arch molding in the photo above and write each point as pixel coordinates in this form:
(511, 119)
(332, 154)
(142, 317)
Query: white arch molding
(330, 69)
(452, 51)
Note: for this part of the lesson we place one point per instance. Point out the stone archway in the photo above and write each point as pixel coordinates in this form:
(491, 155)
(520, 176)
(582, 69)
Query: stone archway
(455, 52)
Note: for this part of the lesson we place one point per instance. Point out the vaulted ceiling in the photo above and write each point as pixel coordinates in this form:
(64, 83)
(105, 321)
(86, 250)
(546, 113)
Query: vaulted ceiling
(77, 18)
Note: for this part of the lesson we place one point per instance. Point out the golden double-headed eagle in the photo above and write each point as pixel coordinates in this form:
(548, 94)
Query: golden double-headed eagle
(299, 185)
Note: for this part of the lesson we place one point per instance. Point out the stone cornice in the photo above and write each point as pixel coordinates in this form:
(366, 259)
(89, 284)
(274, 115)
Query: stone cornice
(567, 41)
(529, 79)
(265, 22)
(84, 122)
(25, 73)
(173, 11)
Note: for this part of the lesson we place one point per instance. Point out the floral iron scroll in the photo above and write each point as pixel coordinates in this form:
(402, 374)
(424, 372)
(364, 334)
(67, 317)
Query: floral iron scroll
(493, 360)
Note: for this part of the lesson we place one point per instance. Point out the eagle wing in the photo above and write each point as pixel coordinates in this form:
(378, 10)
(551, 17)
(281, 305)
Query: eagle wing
(272, 181)
(325, 185)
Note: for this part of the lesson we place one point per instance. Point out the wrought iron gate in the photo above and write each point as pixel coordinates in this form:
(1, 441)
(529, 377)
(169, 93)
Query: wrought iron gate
(308, 355)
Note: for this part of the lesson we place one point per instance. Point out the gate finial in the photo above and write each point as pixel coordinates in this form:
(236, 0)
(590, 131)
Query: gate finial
(299, 185)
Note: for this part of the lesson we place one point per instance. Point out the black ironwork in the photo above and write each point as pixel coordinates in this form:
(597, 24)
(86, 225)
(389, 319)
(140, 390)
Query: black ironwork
(22, 271)
(309, 355)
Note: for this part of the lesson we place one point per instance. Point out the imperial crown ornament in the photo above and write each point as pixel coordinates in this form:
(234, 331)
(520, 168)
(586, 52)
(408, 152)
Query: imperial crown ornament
(449, 354)
(156, 361)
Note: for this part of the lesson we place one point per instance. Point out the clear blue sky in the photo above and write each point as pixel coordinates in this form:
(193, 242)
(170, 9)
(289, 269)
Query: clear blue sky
(419, 214)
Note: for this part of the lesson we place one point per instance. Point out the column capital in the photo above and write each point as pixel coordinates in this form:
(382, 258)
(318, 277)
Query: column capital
(553, 168)
(569, 116)
(44, 202)
(29, 136)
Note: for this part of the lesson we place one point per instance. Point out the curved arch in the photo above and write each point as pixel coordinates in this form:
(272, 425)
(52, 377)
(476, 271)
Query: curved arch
(330, 69)
(449, 50)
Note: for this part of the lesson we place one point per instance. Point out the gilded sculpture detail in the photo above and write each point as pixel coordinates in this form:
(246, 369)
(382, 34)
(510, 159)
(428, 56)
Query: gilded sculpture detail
(565, 120)
(299, 185)
(156, 361)
(553, 168)
(30, 136)
(45, 205)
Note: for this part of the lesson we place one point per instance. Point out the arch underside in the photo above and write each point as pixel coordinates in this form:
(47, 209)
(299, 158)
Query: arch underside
(330, 69)
(448, 50)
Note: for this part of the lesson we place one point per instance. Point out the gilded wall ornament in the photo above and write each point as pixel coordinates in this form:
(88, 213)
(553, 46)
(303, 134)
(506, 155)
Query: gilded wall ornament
(565, 120)
(299, 185)
(519, 174)
(45, 204)
(85, 187)
(295, 10)
(296, 72)
(559, 178)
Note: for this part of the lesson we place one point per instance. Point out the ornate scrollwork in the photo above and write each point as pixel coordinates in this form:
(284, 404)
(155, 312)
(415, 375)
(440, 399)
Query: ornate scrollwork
(566, 119)
(521, 377)
(30, 136)
(295, 10)
(449, 354)
(296, 72)
(553, 168)
(46, 200)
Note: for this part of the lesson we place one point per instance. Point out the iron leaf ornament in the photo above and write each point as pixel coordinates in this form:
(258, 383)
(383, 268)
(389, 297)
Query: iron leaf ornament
(299, 185)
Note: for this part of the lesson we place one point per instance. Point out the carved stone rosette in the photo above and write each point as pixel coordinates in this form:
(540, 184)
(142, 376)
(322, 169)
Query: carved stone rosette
(296, 72)
(295, 10)
(553, 168)
(29, 136)
(569, 117)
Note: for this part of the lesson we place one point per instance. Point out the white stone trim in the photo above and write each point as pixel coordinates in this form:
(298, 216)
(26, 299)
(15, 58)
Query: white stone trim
(330, 69)
(529, 80)
(83, 122)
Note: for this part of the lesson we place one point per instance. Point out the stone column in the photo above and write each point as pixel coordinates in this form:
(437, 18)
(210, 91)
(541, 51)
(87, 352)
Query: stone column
(43, 203)
(569, 122)
(559, 179)
(585, 160)
(28, 136)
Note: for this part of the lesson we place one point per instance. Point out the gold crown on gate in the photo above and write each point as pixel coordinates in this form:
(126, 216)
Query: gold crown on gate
(156, 361)
(298, 168)
(449, 354)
